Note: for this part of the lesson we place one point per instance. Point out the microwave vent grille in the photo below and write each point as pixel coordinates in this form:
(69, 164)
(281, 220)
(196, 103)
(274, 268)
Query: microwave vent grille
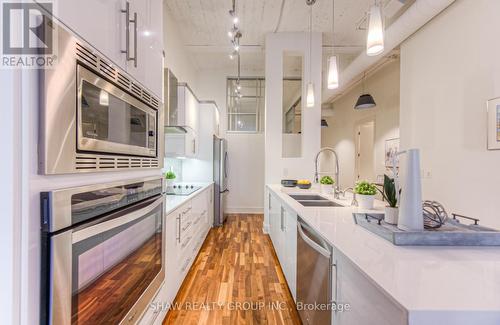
(86, 56)
(136, 90)
(94, 163)
(123, 81)
(92, 60)
(106, 69)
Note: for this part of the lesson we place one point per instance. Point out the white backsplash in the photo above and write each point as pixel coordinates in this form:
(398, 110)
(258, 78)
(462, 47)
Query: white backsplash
(176, 165)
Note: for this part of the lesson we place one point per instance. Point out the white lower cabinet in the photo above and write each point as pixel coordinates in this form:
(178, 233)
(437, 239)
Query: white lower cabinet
(290, 249)
(186, 230)
(283, 233)
(368, 303)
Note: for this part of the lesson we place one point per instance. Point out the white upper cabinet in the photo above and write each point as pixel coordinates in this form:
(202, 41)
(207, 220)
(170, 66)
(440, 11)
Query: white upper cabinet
(103, 24)
(146, 43)
(189, 115)
(100, 23)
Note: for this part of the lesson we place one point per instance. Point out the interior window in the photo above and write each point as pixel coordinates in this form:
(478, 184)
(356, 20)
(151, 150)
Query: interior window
(245, 104)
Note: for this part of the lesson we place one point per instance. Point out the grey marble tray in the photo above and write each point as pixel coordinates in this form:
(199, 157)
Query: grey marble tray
(452, 233)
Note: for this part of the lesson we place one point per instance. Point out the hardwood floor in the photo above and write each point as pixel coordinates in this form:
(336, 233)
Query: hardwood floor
(236, 279)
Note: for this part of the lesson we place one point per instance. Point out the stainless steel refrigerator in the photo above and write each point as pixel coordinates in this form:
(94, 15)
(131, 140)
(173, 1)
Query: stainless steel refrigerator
(221, 173)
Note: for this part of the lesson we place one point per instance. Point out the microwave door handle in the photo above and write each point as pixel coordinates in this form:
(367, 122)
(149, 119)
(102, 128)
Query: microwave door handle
(114, 223)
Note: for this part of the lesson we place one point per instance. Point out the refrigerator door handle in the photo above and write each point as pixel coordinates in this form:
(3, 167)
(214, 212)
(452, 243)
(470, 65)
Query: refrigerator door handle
(225, 164)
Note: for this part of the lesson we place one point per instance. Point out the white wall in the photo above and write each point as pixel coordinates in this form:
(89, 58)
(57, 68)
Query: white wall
(177, 57)
(383, 85)
(449, 69)
(10, 197)
(245, 151)
(277, 167)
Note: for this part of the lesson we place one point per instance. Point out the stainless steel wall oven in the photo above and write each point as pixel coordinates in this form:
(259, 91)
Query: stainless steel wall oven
(94, 116)
(102, 252)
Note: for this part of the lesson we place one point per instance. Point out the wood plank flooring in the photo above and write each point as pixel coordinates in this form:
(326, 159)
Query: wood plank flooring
(236, 279)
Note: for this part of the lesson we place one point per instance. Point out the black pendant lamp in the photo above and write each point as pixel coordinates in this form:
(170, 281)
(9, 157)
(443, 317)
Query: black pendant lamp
(365, 100)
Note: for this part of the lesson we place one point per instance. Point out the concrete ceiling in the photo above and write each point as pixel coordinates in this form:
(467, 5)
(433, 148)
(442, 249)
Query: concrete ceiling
(204, 25)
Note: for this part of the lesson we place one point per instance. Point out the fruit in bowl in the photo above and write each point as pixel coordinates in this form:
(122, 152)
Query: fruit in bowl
(304, 183)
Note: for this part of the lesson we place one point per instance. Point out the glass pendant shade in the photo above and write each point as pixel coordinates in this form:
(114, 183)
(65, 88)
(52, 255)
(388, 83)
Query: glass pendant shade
(375, 38)
(333, 73)
(310, 95)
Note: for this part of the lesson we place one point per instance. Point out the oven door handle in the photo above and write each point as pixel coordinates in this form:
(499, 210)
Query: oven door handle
(114, 223)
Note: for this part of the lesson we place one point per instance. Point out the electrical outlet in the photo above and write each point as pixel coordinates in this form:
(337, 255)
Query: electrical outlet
(285, 172)
(425, 173)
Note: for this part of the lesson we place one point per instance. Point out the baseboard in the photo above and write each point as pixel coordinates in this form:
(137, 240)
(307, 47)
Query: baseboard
(265, 228)
(251, 210)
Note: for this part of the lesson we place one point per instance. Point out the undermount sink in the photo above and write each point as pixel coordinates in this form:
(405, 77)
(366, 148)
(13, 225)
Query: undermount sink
(318, 203)
(310, 197)
(314, 200)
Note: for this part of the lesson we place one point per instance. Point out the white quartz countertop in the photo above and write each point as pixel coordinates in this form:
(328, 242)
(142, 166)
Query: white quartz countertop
(175, 201)
(437, 285)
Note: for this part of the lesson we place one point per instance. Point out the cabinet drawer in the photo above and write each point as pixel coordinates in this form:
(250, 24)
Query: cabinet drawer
(186, 217)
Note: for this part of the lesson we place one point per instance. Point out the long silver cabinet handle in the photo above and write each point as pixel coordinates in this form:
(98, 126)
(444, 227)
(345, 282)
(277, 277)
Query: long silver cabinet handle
(128, 21)
(126, 11)
(179, 229)
(135, 39)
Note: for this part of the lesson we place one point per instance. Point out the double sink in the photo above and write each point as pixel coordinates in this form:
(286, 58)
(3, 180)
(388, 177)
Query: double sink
(313, 200)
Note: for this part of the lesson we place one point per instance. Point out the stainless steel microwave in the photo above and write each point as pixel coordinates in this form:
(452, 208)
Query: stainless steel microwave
(94, 116)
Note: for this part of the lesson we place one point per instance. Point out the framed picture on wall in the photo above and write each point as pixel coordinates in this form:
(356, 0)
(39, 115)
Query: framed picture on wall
(391, 148)
(493, 108)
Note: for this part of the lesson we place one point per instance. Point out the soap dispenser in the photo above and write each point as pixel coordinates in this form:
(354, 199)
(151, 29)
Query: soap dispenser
(410, 208)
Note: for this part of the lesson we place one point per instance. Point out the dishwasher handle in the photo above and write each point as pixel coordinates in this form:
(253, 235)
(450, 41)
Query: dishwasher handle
(318, 248)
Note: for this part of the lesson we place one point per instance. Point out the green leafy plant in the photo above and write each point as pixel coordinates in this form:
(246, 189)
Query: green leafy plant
(365, 188)
(389, 192)
(170, 175)
(326, 180)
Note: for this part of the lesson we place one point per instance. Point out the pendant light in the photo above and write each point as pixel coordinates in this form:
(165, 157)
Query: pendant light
(365, 100)
(375, 38)
(310, 85)
(333, 71)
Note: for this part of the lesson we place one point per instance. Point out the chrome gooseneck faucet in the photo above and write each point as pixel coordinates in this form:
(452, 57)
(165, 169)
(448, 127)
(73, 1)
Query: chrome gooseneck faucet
(316, 173)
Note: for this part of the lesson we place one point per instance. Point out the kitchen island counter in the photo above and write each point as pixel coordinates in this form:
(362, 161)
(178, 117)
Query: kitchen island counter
(436, 285)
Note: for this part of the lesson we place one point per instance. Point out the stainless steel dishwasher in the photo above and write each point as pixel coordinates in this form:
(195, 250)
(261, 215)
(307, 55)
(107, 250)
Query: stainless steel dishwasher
(314, 276)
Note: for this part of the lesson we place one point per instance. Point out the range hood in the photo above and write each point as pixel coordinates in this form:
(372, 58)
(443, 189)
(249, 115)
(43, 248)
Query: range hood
(174, 116)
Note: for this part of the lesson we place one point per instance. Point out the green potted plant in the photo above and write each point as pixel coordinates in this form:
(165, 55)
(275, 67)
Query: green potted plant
(326, 184)
(389, 193)
(365, 194)
(170, 177)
